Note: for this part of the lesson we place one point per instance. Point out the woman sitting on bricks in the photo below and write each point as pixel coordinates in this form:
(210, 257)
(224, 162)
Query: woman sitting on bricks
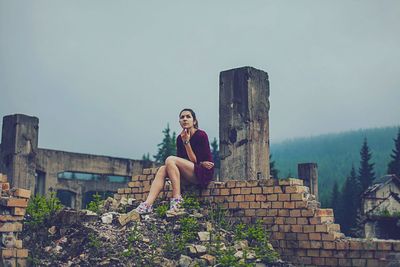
(193, 163)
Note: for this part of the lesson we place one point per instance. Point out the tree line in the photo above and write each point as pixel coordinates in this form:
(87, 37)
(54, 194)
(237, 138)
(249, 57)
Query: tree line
(346, 201)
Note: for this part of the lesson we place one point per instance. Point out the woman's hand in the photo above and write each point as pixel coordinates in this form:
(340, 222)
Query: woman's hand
(207, 164)
(185, 135)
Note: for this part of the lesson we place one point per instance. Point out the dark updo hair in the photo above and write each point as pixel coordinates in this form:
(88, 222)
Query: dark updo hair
(196, 123)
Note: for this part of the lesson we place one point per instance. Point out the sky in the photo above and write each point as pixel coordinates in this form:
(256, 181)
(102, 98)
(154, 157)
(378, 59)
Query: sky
(106, 77)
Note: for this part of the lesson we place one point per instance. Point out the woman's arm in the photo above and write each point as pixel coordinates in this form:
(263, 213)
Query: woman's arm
(190, 153)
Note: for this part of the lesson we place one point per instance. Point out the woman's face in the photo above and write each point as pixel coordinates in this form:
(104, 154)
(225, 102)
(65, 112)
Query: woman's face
(186, 120)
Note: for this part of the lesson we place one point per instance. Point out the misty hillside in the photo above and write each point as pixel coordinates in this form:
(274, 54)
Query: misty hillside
(334, 154)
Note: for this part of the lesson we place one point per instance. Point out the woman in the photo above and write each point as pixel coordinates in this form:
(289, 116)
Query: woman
(193, 163)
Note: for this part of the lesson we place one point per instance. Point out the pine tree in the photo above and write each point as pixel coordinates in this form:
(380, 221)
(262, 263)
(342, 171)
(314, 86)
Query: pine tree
(272, 170)
(366, 173)
(215, 153)
(167, 147)
(335, 199)
(146, 160)
(350, 202)
(394, 164)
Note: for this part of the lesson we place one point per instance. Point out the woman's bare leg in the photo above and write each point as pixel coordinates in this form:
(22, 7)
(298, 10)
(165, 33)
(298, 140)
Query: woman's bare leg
(178, 168)
(157, 185)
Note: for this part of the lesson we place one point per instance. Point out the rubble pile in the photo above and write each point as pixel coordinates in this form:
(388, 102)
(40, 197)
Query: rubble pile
(118, 236)
(13, 203)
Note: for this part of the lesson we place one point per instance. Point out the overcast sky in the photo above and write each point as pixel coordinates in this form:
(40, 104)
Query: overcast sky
(105, 77)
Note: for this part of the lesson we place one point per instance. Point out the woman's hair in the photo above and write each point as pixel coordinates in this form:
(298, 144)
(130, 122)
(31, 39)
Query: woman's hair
(195, 121)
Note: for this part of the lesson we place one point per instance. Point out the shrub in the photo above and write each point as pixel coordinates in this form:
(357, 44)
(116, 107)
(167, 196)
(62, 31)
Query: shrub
(162, 210)
(41, 208)
(190, 203)
(95, 204)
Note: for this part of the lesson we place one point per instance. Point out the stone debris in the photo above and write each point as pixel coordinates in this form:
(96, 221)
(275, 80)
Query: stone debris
(204, 236)
(110, 238)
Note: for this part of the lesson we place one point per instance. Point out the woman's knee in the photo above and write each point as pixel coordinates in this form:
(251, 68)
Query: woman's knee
(171, 160)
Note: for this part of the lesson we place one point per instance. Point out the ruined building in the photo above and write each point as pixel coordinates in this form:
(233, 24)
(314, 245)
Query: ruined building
(381, 208)
(74, 177)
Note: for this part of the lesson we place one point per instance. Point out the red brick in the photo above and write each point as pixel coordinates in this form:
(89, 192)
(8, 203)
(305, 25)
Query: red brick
(356, 245)
(283, 212)
(244, 205)
(256, 190)
(324, 212)
(241, 184)
(18, 243)
(5, 186)
(3, 178)
(300, 204)
(290, 181)
(297, 197)
(22, 253)
(277, 205)
(250, 212)
(261, 197)
(297, 228)
(315, 236)
(307, 213)
(249, 197)
(235, 191)
(323, 228)
(239, 198)
(10, 218)
(302, 237)
(272, 212)
(315, 244)
(268, 190)
(302, 221)
(233, 205)
(325, 253)
(245, 191)
(266, 205)
(295, 213)
(146, 171)
(261, 212)
(252, 183)
(290, 220)
(225, 192)
(8, 252)
(284, 197)
(296, 189)
(278, 190)
(289, 205)
(272, 197)
(305, 260)
(255, 205)
(309, 228)
(328, 245)
(231, 184)
(127, 191)
(14, 202)
(279, 220)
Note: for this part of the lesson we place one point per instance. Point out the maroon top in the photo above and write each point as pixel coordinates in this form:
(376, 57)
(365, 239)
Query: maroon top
(201, 148)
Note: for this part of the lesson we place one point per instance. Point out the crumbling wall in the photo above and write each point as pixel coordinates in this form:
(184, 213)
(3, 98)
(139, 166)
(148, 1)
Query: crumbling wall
(302, 232)
(13, 203)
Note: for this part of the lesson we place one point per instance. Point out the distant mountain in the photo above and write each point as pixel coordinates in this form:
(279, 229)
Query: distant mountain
(334, 154)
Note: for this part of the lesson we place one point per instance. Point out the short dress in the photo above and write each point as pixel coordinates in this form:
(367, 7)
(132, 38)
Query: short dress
(201, 148)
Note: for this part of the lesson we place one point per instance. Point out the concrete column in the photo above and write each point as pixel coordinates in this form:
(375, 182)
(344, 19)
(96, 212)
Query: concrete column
(309, 173)
(19, 143)
(244, 124)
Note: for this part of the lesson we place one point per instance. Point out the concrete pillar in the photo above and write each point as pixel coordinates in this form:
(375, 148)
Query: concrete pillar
(309, 173)
(244, 124)
(19, 143)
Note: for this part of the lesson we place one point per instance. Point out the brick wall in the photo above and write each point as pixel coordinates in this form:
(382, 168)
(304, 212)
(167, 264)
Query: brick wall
(13, 203)
(301, 231)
